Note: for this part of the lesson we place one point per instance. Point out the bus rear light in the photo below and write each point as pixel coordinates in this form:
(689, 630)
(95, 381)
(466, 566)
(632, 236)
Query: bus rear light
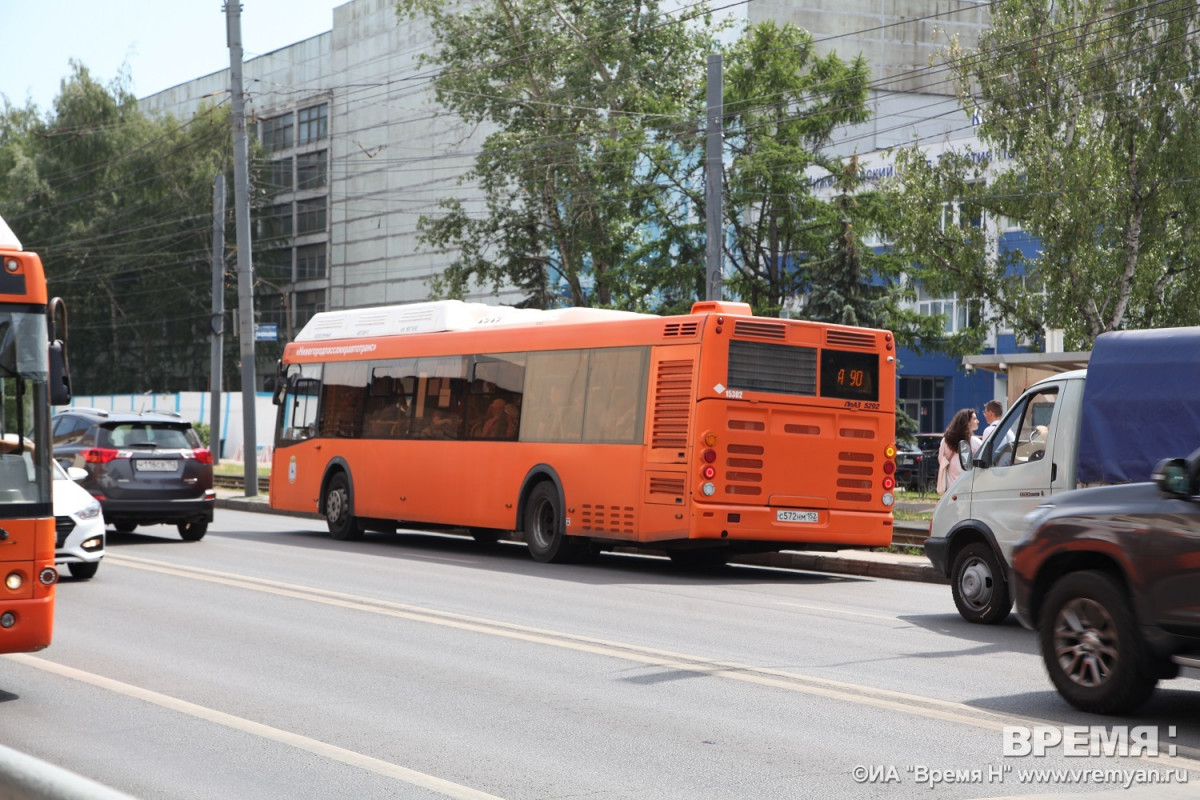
(887, 341)
(710, 439)
(889, 483)
(99, 455)
(8, 619)
(709, 472)
(12, 265)
(48, 576)
(889, 467)
(14, 581)
(708, 489)
(889, 451)
(888, 500)
(710, 455)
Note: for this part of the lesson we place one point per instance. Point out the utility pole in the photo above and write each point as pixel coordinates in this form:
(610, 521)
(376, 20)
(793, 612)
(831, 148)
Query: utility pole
(241, 202)
(714, 166)
(217, 322)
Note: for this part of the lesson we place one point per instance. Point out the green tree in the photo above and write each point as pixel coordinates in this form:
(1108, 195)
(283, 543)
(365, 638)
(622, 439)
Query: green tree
(1092, 106)
(585, 103)
(783, 104)
(119, 207)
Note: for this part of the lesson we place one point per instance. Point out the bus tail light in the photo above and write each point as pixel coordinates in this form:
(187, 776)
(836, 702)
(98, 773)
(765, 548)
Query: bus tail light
(48, 576)
(889, 483)
(14, 581)
(8, 619)
(709, 455)
(709, 472)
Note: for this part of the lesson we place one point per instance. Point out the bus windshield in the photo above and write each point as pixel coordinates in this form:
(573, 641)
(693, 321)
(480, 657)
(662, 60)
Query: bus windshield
(24, 370)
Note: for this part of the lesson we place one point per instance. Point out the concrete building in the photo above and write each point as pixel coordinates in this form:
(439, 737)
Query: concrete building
(358, 150)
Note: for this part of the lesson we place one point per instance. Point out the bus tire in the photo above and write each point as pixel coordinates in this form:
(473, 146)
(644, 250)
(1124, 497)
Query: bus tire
(343, 525)
(545, 527)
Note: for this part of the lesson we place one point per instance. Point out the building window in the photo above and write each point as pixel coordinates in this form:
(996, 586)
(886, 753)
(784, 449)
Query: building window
(314, 124)
(310, 170)
(307, 304)
(310, 262)
(274, 265)
(924, 399)
(276, 221)
(281, 175)
(277, 133)
(957, 314)
(310, 216)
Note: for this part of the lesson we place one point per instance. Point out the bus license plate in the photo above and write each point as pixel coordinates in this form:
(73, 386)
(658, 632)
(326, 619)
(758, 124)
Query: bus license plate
(787, 515)
(154, 465)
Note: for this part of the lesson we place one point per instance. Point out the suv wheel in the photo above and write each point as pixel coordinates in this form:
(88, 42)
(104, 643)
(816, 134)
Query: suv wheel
(192, 531)
(83, 570)
(1091, 646)
(978, 585)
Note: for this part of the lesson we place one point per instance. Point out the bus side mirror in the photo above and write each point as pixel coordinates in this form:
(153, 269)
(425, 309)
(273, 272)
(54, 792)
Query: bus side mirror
(60, 379)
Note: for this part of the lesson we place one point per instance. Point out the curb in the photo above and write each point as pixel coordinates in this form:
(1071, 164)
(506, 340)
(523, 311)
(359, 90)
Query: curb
(849, 562)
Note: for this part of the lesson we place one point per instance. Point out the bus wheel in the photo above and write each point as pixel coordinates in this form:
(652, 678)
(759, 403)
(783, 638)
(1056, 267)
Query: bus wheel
(342, 524)
(545, 528)
(708, 558)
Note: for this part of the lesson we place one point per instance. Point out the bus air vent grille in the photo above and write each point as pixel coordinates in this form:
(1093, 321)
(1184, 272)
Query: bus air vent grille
(681, 328)
(672, 404)
(606, 519)
(761, 330)
(849, 338)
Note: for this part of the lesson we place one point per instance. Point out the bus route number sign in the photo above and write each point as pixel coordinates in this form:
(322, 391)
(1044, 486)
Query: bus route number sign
(788, 515)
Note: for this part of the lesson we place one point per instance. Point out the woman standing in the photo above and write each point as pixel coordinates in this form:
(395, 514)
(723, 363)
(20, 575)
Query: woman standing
(961, 428)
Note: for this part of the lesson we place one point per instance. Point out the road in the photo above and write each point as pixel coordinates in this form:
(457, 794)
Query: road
(268, 661)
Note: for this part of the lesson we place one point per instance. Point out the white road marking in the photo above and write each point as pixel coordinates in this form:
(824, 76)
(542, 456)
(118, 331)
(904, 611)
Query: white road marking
(315, 746)
(884, 699)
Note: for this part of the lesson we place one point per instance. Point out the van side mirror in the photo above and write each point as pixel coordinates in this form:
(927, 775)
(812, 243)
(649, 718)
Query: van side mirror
(964, 454)
(1171, 475)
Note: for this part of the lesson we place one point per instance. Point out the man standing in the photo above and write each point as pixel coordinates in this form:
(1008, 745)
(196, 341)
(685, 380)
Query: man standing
(992, 411)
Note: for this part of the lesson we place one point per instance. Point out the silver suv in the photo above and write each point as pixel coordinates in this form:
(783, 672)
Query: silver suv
(144, 469)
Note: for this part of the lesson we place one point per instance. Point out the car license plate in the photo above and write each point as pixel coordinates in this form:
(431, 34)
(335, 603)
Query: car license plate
(153, 465)
(787, 515)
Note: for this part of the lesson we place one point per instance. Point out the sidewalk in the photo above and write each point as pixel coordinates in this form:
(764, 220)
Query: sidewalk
(866, 563)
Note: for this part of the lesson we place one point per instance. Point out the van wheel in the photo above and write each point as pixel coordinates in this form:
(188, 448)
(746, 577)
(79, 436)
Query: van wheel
(1091, 645)
(978, 584)
(343, 525)
(192, 531)
(545, 527)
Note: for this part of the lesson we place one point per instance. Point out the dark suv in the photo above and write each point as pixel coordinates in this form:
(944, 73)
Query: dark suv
(917, 464)
(1110, 578)
(145, 469)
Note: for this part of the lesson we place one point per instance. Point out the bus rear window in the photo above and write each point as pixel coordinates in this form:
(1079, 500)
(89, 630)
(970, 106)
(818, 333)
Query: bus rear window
(774, 368)
(849, 376)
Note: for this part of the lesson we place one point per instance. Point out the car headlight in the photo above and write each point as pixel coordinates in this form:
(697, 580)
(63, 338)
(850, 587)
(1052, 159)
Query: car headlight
(1035, 517)
(89, 511)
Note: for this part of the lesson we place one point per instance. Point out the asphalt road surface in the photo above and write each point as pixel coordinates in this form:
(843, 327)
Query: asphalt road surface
(269, 661)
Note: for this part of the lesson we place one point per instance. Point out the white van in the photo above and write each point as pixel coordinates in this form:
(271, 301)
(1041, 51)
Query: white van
(1110, 423)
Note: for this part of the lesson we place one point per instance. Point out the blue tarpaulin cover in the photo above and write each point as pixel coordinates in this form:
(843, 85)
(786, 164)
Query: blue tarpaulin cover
(1141, 403)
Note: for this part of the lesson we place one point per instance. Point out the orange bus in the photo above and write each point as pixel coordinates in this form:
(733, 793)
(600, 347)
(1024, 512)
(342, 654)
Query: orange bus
(32, 376)
(705, 435)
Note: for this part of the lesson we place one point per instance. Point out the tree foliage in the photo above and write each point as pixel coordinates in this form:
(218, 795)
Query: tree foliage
(119, 206)
(1090, 112)
(584, 102)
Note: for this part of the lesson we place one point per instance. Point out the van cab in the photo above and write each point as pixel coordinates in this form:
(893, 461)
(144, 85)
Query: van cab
(1108, 424)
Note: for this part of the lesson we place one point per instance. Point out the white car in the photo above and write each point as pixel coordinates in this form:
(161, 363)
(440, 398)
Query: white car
(78, 524)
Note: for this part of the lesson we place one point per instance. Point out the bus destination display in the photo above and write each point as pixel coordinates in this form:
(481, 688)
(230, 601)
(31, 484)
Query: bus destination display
(849, 376)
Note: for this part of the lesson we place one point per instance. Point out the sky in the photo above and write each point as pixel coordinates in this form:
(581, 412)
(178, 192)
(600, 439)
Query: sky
(162, 42)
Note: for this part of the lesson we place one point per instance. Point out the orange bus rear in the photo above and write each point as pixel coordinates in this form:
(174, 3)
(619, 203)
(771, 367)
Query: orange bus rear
(32, 375)
(705, 435)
